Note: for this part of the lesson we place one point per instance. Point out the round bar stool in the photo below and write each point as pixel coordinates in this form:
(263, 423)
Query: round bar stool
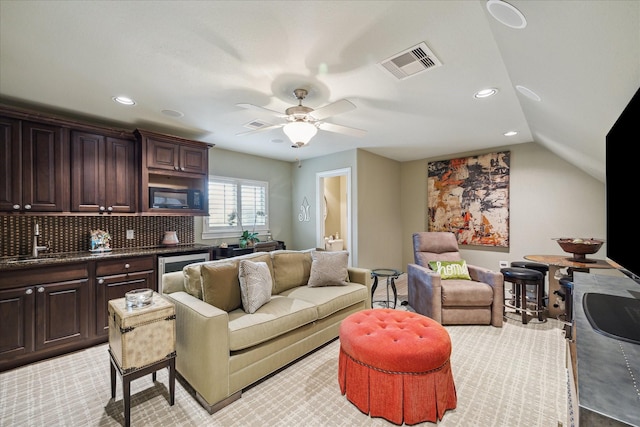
(542, 268)
(521, 278)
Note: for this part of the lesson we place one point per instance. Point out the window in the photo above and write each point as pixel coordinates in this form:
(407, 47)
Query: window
(236, 205)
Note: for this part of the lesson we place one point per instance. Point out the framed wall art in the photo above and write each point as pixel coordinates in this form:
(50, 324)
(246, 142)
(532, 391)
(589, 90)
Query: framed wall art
(470, 197)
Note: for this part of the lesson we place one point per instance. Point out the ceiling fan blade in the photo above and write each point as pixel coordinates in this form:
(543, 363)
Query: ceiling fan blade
(262, 129)
(332, 127)
(264, 110)
(335, 108)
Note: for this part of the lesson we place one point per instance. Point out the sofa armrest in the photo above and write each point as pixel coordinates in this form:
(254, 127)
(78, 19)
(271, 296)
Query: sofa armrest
(202, 346)
(425, 291)
(362, 276)
(172, 282)
(495, 279)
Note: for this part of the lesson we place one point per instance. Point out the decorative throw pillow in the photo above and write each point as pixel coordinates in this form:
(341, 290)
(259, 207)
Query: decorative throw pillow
(451, 269)
(221, 286)
(255, 284)
(328, 268)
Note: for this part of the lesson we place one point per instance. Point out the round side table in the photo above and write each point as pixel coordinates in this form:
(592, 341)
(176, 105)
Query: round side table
(391, 274)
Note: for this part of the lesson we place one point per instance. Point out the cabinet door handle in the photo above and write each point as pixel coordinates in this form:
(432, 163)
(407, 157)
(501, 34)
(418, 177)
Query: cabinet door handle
(101, 208)
(16, 207)
(29, 291)
(182, 169)
(176, 168)
(27, 207)
(110, 208)
(41, 289)
(127, 266)
(100, 281)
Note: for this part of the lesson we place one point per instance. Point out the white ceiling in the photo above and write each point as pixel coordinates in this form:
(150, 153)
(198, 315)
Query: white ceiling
(203, 57)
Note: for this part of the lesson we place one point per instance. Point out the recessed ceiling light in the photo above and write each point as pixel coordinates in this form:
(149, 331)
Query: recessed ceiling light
(506, 14)
(528, 93)
(510, 133)
(124, 100)
(485, 93)
(173, 113)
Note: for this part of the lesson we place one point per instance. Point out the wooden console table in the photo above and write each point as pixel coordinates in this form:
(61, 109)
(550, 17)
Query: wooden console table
(556, 262)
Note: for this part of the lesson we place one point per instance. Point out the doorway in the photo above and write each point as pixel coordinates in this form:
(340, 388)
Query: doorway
(333, 189)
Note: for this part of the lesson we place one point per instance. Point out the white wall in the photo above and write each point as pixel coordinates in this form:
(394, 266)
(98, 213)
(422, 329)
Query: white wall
(276, 172)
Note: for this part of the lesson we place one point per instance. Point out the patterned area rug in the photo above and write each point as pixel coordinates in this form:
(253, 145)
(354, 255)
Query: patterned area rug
(510, 376)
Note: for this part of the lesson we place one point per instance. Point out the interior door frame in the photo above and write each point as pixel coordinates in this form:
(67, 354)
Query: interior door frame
(320, 206)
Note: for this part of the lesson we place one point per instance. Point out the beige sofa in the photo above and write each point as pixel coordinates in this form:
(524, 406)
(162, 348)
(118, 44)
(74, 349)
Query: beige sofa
(220, 351)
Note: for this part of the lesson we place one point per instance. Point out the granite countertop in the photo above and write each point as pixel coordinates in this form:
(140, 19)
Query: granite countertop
(608, 368)
(24, 261)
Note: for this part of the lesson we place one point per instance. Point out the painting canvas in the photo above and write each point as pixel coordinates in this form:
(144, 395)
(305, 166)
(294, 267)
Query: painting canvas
(470, 197)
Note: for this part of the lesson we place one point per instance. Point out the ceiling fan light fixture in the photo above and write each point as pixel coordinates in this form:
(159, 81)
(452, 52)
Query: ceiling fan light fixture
(300, 132)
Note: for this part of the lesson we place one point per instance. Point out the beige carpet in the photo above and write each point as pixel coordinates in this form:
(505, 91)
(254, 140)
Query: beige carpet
(510, 376)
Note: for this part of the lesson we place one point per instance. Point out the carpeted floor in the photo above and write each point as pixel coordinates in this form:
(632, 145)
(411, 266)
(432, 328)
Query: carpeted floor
(510, 376)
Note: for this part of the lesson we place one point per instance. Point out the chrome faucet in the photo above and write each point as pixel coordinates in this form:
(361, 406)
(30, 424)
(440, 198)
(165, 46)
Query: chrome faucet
(36, 248)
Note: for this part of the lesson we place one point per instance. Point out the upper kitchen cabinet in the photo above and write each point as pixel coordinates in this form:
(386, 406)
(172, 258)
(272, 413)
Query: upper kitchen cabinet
(34, 166)
(104, 172)
(175, 163)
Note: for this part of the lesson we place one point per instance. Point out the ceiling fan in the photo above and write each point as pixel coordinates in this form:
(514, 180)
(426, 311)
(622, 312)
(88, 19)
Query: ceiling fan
(301, 123)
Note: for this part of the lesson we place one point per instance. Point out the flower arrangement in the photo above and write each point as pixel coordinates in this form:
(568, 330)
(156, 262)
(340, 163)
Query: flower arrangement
(100, 241)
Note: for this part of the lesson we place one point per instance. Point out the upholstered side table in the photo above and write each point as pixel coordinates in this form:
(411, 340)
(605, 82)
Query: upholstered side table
(141, 341)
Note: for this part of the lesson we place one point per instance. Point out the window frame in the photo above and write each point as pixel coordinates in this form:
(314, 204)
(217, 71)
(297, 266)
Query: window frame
(220, 232)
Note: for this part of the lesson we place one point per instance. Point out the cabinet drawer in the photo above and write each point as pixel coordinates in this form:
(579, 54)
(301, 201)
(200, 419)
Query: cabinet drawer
(124, 265)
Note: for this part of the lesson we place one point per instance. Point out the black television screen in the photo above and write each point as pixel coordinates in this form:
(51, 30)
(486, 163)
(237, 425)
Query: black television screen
(622, 189)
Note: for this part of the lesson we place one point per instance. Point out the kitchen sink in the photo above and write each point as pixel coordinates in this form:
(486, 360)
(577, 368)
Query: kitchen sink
(614, 316)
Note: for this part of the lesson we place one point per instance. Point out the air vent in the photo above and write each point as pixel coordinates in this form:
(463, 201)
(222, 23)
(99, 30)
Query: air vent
(256, 124)
(411, 62)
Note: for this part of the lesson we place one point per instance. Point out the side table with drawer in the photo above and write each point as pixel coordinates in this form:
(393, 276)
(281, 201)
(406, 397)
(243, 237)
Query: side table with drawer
(141, 341)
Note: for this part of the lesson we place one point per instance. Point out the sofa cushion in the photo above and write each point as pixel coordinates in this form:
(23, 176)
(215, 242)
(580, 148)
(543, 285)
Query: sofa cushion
(279, 316)
(328, 268)
(193, 280)
(329, 299)
(290, 269)
(255, 284)
(193, 274)
(466, 293)
(221, 285)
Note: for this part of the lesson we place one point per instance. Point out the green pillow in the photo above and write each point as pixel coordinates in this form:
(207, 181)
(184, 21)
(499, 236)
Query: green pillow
(451, 269)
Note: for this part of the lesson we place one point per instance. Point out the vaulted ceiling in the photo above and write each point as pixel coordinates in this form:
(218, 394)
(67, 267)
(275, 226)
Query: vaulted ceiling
(187, 64)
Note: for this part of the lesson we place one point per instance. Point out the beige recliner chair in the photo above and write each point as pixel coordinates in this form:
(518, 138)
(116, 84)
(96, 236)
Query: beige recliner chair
(478, 301)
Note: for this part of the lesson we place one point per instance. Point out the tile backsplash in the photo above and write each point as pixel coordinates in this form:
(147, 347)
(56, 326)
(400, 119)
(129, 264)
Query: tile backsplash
(72, 233)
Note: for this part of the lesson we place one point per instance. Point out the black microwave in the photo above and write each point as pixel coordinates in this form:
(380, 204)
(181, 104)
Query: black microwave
(175, 198)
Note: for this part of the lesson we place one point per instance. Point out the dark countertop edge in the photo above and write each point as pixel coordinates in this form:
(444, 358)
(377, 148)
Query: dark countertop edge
(598, 390)
(9, 263)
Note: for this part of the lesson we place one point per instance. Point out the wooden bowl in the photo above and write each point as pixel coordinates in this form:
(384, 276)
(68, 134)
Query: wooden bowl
(580, 247)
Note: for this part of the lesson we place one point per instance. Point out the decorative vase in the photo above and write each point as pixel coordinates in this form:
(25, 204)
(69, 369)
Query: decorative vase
(170, 238)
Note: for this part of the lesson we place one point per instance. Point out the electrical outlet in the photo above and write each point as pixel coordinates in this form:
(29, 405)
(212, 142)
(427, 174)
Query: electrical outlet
(129, 234)
(504, 264)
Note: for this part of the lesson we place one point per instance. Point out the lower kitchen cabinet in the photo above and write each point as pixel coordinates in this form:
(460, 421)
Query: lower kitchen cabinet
(43, 312)
(51, 310)
(114, 278)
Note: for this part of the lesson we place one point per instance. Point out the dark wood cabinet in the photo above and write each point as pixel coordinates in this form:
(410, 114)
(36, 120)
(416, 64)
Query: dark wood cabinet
(62, 312)
(172, 162)
(104, 173)
(34, 164)
(43, 312)
(186, 157)
(114, 278)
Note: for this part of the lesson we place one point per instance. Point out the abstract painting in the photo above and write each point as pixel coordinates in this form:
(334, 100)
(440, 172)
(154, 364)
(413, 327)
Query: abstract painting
(470, 197)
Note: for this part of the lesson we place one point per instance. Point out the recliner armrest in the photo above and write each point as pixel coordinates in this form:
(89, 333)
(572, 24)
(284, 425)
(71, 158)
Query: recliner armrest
(425, 291)
(495, 279)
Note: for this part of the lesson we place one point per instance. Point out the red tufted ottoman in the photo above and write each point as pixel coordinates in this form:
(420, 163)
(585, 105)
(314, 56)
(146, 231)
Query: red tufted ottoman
(395, 365)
